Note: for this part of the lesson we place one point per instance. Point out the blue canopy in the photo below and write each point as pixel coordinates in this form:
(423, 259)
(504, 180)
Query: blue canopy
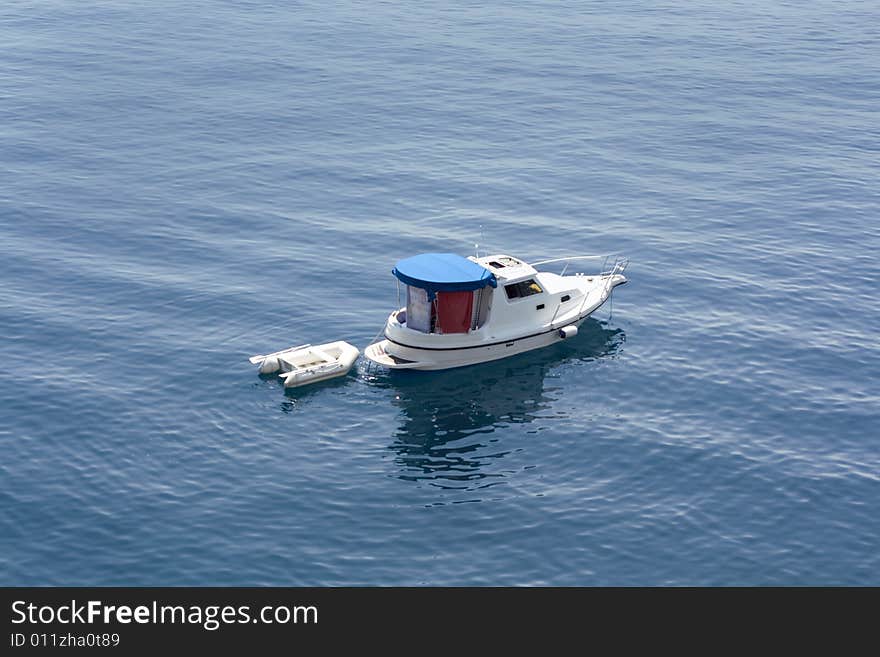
(443, 272)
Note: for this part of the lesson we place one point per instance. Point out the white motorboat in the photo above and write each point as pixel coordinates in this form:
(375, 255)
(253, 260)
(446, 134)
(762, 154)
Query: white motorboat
(298, 366)
(461, 311)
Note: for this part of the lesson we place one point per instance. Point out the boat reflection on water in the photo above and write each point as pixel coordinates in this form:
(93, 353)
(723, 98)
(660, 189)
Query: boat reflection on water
(447, 436)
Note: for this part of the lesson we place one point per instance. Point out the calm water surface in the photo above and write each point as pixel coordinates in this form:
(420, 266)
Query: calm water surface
(184, 185)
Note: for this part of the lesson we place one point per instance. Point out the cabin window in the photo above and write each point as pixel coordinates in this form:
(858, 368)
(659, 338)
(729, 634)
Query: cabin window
(522, 289)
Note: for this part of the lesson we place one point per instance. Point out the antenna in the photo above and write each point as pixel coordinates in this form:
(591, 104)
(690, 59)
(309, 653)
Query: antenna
(477, 245)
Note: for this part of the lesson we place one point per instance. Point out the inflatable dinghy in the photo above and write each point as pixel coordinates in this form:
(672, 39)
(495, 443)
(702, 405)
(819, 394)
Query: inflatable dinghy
(298, 366)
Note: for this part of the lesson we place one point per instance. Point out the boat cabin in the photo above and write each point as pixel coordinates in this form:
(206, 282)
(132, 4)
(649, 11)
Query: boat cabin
(446, 293)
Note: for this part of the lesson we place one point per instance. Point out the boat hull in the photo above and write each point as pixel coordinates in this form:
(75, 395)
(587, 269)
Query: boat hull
(400, 356)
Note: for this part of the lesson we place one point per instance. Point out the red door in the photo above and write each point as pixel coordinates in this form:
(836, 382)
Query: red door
(454, 311)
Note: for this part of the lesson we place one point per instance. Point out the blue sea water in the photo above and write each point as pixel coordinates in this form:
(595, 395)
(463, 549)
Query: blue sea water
(183, 185)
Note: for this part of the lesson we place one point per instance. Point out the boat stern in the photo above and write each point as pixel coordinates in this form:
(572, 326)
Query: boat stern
(378, 353)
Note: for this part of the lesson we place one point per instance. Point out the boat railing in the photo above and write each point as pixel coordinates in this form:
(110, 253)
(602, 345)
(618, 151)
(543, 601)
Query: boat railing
(607, 265)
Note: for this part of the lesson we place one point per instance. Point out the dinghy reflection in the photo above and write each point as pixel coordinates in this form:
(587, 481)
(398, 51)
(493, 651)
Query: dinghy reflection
(294, 398)
(448, 432)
